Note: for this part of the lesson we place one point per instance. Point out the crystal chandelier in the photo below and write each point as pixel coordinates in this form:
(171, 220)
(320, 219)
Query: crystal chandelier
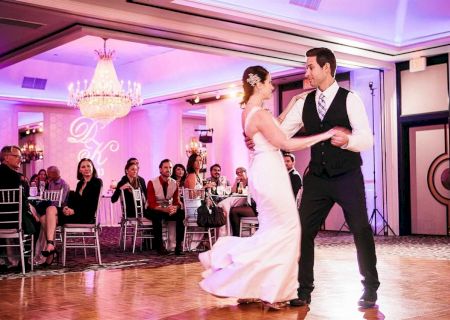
(31, 152)
(104, 99)
(194, 146)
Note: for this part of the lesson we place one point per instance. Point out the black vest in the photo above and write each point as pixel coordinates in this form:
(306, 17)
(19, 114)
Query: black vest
(327, 159)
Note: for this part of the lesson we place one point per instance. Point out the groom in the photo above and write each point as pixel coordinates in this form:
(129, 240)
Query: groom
(334, 174)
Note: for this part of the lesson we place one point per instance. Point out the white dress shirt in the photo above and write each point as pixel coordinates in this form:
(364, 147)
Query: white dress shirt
(361, 137)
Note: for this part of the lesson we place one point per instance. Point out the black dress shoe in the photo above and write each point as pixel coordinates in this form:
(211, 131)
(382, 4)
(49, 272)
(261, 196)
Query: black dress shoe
(179, 252)
(162, 251)
(368, 299)
(300, 302)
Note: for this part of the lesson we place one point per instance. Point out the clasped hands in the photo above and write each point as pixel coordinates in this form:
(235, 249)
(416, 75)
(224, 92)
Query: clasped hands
(68, 211)
(338, 139)
(171, 210)
(340, 136)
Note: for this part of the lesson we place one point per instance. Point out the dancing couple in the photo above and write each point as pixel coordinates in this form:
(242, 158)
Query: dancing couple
(273, 266)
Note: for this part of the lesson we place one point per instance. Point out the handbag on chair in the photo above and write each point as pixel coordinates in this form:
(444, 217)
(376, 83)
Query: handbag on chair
(210, 217)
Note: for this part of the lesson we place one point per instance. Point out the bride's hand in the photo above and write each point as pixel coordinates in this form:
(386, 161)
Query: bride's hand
(328, 134)
(340, 137)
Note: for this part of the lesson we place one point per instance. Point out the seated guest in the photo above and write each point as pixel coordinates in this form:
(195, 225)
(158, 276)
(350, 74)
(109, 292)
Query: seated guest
(193, 167)
(130, 181)
(10, 178)
(179, 174)
(34, 180)
(241, 177)
(296, 179)
(163, 203)
(136, 162)
(236, 213)
(55, 182)
(82, 204)
(194, 181)
(48, 215)
(231, 202)
(215, 178)
(42, 180)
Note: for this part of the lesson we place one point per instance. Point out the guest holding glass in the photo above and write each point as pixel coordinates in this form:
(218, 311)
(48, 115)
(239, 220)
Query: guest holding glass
(34, 180)
(241, 178)
(216, 180)
(240, 183)
(42, 180)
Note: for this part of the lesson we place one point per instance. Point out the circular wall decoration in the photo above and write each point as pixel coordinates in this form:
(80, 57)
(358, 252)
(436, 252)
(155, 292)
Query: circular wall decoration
(445, 179)
(438, 179)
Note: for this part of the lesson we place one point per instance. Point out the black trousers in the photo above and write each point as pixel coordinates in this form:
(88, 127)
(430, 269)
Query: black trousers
(158, 216)
(320, 193)
(235, 217)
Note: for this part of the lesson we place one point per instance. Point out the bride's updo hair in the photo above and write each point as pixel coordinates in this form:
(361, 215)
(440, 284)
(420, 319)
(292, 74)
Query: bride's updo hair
(252, 75)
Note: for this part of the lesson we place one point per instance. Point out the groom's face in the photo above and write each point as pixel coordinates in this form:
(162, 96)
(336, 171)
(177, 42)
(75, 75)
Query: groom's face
(314, 72)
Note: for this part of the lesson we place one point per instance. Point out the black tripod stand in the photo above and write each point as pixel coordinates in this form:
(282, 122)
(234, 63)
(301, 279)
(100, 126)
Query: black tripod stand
(375, 212)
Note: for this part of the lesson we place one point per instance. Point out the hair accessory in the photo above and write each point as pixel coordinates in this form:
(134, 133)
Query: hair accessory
(253, 79)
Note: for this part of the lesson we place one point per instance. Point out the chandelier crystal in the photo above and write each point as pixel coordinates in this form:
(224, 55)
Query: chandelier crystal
(195, 146)
(31, 152)
(104, 99)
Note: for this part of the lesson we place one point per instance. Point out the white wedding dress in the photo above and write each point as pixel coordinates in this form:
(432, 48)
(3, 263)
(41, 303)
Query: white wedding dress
(265, 265)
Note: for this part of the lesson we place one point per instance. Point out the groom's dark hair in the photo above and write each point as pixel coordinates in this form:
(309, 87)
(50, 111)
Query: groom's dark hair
(323, 55)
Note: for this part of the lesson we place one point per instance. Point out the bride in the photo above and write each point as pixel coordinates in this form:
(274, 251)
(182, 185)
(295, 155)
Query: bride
(264, 267)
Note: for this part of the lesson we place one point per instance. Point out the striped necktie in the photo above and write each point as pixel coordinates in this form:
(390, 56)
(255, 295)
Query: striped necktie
(321, 106)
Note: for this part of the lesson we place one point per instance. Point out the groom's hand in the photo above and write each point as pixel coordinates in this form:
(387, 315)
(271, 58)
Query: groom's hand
(249, 143)
(340, 137)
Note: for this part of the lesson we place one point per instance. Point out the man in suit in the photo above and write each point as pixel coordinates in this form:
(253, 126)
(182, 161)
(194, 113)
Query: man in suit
(335, 168)
(10, 178)
(296, 179)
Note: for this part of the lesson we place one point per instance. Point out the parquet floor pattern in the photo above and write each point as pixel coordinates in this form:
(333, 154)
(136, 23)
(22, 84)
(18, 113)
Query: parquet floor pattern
(412, 288)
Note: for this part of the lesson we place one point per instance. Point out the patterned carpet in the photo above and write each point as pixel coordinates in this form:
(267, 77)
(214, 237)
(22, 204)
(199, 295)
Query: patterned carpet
(423, 247)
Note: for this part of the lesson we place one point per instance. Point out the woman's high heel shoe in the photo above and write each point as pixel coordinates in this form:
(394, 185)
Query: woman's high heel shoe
(47, 253)
(54, 256)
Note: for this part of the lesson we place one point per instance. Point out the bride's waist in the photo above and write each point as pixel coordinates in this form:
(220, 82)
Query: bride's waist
(264, 151)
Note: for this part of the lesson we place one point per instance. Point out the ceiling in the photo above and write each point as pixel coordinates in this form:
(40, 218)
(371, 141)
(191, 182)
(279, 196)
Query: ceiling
(177, 48)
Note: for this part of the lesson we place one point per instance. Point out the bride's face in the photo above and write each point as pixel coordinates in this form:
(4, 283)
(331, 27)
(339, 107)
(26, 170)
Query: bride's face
(266, 88)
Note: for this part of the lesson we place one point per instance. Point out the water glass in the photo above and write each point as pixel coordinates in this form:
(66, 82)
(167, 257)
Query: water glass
(33, 191)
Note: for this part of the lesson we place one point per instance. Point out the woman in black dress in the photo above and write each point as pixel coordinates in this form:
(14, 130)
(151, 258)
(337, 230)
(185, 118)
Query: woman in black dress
(82, 203)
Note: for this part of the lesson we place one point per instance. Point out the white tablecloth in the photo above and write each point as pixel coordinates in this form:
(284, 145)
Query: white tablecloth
(109, 213)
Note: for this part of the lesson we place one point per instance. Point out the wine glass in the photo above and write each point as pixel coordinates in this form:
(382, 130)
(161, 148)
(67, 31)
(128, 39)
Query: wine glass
(223, 180)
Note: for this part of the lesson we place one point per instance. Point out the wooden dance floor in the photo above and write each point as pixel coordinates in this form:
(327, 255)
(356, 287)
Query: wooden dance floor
(412, 287)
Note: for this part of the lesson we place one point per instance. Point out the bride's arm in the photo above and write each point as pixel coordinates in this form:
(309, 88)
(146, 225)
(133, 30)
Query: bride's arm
(264, 123)
(291, 104)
